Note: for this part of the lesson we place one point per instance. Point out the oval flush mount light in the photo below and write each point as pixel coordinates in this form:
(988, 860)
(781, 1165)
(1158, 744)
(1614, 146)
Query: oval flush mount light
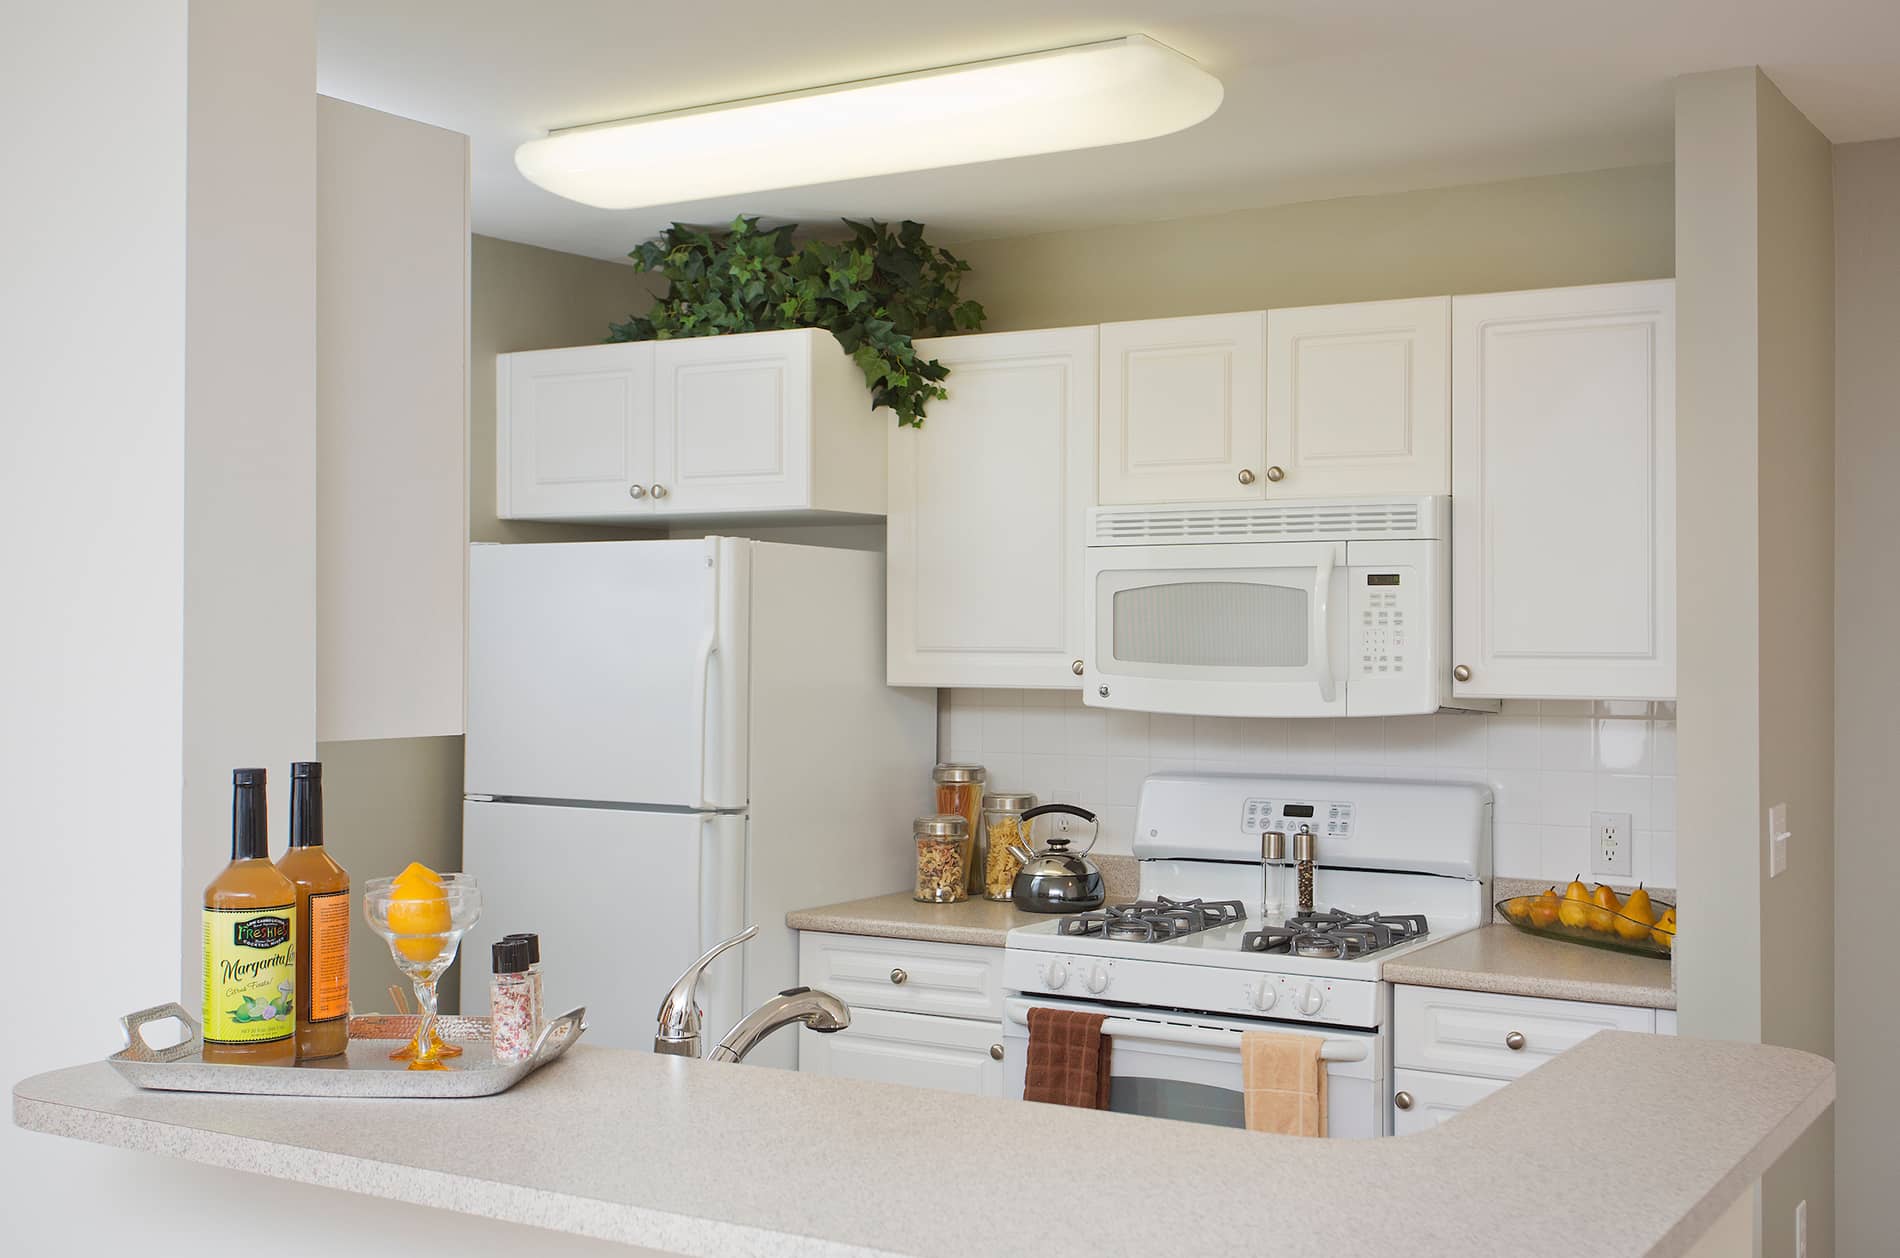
(1079, 97)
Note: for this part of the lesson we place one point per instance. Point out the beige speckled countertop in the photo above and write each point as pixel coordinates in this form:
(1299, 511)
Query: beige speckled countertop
(977, 921)
(1505, 960)
(695, 1158)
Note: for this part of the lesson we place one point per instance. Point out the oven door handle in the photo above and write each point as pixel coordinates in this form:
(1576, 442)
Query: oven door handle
(1201, 1036)
(1322, 626)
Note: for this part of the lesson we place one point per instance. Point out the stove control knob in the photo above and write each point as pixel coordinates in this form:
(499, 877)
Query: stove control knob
(1056, 975)
(1098, 980)
(1310, 1000)
(1262, 995)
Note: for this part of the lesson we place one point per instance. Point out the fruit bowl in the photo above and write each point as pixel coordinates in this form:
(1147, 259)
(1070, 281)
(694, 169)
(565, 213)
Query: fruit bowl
(1653, 939)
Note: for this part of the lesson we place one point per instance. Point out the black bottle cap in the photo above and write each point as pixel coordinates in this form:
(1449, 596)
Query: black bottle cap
(534, 944)
(306, 803)
(250, 828)
(511, 956)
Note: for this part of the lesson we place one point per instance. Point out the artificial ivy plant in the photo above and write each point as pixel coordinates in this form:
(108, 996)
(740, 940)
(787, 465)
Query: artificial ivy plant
(876, 292)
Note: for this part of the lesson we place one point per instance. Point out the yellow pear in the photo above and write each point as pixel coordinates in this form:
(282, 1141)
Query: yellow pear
(1518, 908)
(1604, 908)
(1637, 917)
(1665, 930)
(1575, 910)
(1544, 908)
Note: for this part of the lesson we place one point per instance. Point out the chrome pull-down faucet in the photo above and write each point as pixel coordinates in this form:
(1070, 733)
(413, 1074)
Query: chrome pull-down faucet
(680, 1020)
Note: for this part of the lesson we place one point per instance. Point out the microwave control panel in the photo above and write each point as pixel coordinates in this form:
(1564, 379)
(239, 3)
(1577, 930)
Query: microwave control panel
(1385, 621)
(1329, 818)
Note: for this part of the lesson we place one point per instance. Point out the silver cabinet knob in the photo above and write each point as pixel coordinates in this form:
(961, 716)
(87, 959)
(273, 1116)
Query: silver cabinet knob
(636, 491)
(1246, 476)
(1275, 475)
(1076, 668)
(1514, 1041)
(659, 491)
(1402, 1099)
(996, 1052)
(1462, 672)
(898, 976)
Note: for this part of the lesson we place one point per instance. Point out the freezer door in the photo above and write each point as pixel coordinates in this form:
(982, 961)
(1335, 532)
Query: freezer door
(608, 672)
(623, 900)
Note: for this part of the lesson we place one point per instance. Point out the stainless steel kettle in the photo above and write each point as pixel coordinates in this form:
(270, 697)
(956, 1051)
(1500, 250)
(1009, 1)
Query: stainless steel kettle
(1056, 880)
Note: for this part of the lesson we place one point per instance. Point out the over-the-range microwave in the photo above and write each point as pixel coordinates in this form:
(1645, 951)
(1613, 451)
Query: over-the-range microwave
(1332, 607)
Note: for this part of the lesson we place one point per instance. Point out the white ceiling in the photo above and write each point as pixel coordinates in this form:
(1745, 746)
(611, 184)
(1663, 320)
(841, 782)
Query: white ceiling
(1324, 97)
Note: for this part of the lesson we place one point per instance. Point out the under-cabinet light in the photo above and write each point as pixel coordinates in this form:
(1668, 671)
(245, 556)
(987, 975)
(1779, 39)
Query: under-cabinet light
(1080, 97)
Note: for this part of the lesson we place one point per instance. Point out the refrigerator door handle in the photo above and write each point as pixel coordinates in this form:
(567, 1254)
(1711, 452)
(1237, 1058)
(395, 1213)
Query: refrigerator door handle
(702, 687)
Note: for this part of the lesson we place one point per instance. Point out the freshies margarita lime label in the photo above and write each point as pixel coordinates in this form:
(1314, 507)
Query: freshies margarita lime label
(250, 975)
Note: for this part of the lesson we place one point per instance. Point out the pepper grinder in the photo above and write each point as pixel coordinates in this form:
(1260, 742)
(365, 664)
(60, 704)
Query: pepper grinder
(1272, 875)
(1304, 845)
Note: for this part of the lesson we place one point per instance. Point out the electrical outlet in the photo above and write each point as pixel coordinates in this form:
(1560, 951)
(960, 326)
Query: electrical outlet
(1610, 843)
(1801, 1230)
(1778, 836)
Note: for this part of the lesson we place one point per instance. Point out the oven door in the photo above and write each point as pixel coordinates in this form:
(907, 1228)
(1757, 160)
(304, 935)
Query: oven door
(1185, 1066)
(1236, 629)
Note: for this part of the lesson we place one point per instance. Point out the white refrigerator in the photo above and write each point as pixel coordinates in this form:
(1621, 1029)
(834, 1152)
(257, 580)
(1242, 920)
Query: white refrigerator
(667, 742)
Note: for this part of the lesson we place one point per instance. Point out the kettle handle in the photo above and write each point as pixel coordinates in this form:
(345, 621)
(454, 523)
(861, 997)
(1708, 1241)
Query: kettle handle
(1073, 810)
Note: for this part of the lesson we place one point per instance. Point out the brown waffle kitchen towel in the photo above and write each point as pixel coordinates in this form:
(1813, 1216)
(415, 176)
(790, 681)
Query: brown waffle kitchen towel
(1068, 1058)
(1284, 1082)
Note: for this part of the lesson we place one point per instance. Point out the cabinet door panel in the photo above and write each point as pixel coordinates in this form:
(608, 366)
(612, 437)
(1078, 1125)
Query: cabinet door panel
(1564, 480)
(920, 1050)
(574, 432)
(1434, 1098)
(1358, 398)
(1471, 1033)
(732, 423)
(987, 506)
(1183, 410)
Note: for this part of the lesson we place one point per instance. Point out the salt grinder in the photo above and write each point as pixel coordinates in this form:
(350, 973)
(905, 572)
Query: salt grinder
(1272, 886)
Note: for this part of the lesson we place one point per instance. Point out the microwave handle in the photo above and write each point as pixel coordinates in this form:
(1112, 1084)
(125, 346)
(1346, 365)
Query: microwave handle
(1322, 626)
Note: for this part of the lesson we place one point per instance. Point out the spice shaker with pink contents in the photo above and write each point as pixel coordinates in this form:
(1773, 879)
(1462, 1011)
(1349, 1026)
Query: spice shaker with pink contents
(511, 1002)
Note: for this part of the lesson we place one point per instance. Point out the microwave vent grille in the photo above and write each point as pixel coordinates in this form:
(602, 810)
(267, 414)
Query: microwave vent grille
(1359, 521)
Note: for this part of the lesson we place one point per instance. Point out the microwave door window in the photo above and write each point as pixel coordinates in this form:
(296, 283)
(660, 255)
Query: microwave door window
(1211, 624)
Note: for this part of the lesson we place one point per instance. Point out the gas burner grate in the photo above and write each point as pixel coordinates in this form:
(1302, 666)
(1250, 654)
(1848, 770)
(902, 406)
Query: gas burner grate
(1152, 921)
(1335, 934)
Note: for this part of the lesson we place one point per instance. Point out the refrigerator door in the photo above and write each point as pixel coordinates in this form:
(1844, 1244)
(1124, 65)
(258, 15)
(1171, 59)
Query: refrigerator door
(623, 899)
(609, 672)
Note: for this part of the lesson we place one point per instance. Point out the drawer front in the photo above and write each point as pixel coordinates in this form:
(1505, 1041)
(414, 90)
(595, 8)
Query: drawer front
(956, 980)
(1421, 1099)
(1497, 1037)
(919, 1050)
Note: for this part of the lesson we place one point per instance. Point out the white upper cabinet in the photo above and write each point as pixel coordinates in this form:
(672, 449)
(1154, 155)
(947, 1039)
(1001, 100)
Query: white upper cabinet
(1359, 399)
(988, 503)
(574, 433)
(1564, 493)
(775, 424)
(1183, 410)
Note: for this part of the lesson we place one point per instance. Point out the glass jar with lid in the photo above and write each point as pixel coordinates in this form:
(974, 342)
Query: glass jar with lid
(960, 791)
(943, 858)
(1003, 829)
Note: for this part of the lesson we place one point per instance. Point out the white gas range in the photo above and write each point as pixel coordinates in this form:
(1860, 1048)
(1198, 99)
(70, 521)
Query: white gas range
(1195, 961)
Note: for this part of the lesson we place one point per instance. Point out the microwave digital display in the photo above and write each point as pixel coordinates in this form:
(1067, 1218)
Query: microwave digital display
(1382, 578)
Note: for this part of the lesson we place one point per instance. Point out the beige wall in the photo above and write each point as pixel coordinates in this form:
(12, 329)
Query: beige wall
(523, 297)
(1754, 257)
(1867, 682)
(1590, 228)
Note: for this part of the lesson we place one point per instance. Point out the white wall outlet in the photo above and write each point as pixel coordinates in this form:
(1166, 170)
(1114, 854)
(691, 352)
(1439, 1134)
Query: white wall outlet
(1610, 844)
(1778, 836)
(1801, 1230)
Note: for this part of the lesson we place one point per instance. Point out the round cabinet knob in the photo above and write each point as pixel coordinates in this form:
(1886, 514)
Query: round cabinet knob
(1246, 476)
(636, 491)
(1076, 667)
(1402, 1099)
(1262, 996)
(1056, 975)
(1515, 1041)
(1098, 980)
(1462, 672)
(1102, 691)
(996, 1052)
(659, 491)
(898, 976)
(1276, 475)
(1310, 1000)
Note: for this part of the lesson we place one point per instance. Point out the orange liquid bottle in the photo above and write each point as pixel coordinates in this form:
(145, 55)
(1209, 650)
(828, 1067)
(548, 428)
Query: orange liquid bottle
(250, 926)
(323, 922)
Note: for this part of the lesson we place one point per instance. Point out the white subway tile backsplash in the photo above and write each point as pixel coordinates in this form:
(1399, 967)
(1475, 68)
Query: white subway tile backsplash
(1549, 764)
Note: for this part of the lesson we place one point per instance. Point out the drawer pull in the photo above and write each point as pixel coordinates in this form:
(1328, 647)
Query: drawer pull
(898, 976)
(1514, 1041)
(996, 1052)
(1402, 1099)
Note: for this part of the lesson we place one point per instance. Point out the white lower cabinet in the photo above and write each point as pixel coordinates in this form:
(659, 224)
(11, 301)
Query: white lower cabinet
(1423, 1099)
(924, 1014)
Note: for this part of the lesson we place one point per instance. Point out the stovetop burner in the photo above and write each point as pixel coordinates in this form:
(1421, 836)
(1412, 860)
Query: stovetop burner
(1335, 934)
(1151, 921)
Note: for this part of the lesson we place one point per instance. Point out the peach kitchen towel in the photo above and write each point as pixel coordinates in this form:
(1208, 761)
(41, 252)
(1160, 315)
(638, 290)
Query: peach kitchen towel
(1284, 1081)
(1068, 1058)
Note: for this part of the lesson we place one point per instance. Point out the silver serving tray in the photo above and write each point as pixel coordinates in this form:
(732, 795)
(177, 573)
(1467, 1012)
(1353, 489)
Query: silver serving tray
(365, 1069)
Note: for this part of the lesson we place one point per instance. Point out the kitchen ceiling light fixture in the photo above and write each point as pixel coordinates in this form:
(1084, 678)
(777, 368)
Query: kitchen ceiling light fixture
(1084, 96)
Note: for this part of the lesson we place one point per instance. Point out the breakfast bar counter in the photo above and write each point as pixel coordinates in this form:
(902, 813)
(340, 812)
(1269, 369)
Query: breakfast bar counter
(697, 1158)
